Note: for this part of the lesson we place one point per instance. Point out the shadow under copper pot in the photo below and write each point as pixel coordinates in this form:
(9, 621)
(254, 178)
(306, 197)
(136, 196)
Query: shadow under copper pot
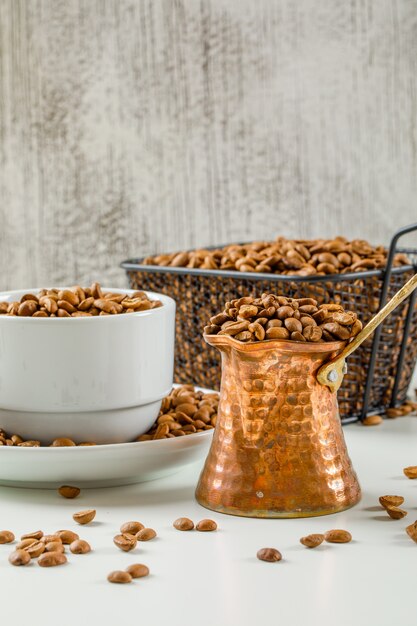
(278, 449)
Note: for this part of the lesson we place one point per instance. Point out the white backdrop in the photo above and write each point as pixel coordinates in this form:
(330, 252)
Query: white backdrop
(130, 127)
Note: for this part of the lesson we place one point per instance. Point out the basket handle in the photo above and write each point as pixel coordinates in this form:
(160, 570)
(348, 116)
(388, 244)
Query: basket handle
(331, 373)
(382, 301)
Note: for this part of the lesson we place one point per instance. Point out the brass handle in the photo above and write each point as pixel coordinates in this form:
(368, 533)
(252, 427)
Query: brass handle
(331, 373)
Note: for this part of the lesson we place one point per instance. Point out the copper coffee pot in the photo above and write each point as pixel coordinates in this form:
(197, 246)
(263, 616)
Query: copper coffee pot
(278, 449)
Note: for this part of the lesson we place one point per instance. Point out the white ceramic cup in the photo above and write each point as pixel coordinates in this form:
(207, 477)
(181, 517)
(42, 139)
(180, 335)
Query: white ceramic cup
(87, 364)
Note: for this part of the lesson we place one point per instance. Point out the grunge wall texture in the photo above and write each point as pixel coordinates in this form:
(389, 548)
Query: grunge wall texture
(129, 127)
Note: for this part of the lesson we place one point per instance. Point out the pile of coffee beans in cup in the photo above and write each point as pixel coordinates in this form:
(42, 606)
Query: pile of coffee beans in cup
(273, 316)
(78, 302)
(184, 411)
(302, 257)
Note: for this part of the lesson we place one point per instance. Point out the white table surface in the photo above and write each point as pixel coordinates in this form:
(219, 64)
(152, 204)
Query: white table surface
(214, 578)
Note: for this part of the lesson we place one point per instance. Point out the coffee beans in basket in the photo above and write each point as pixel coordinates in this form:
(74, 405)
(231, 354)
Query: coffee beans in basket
(302, 257)
(78, 302)
(272, 316)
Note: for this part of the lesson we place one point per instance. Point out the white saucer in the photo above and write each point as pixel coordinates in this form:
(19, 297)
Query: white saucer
(102, 465)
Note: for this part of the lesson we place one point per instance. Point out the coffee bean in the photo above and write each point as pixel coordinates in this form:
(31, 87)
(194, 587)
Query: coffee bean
(412, 531)
(54, 546)
(67, 491)
(84, 517)
(411, 471)
(337, 536)
(51, 559)
(62, 442)
(146, 534)
(125, 542)
(395, 512)
(19, 557)
(206, 525)
(386, 501)
(137, 570)
(79, 546)
(269, 554)
(119, 577)
(66, 536)
(38, 534)
(312, 541)
(183, 523)
(6, 536)
(35, 549)
(372, 420)
(131, 528)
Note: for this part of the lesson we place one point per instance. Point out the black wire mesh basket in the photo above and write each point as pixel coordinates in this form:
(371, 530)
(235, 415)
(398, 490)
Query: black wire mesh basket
(379, 372)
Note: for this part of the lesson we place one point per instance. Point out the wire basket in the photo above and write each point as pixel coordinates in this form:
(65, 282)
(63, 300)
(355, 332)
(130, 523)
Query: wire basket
(379, 372)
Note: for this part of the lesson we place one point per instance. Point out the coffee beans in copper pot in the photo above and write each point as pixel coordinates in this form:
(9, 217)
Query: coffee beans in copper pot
(291, 319)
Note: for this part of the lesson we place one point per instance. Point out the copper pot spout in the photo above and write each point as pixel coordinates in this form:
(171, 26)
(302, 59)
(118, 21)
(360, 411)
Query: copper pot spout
(278, 449)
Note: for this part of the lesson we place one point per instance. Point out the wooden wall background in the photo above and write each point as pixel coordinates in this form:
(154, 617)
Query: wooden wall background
(129, 127)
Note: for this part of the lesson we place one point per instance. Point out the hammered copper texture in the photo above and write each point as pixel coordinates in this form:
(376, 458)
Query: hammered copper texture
(278, 449)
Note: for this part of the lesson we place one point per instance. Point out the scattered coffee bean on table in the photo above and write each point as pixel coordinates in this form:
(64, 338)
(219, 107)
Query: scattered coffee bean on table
(312, 541)
(206, 525)
(19, 557)
(79, 546)
(372, 420)
(137, 570)
(411, 531)
(84, 517)
(38, 534)
(183, 523)
(119, 577)
(35, 549)
(337, 536)
(68, 491)
(52, 559)
(125, 542)
(6, 536)
(55, 546)
(386, 501)
(411, 471)
(395, 512)
(65, 536)
(78, 302)
(25, 543)
(272, 555)
(131, 528)
(146, 534)
(272, 316)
